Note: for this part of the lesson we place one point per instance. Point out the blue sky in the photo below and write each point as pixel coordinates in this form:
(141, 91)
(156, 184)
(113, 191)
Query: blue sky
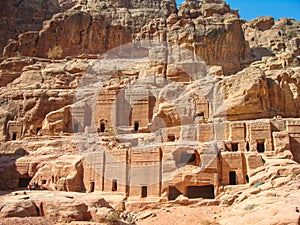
(250, 9)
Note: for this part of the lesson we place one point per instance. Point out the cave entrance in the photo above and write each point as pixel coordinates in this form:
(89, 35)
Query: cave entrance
(173, 193)
(24, 182)
(232, 178)
(171, 137)
(206, 192)
(188, 158)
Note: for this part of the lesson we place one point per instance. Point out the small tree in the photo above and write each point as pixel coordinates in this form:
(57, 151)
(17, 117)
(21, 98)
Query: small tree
(112, 218)
(55, 52)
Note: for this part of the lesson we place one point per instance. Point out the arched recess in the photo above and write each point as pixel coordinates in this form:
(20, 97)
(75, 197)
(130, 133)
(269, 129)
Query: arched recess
(183, 157)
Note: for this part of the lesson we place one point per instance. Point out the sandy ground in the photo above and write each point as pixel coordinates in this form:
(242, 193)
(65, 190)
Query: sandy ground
(182, 215)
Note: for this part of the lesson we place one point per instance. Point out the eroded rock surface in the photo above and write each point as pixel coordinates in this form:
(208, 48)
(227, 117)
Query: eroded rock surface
(193, 107)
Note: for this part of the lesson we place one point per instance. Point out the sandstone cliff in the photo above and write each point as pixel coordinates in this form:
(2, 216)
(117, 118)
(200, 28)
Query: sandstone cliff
(210, 29)
(152, 104)
(92, 27)
(20, 16)
(268, 37)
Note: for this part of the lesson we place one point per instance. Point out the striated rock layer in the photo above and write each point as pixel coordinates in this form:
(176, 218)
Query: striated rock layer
(148, 106)
(20, 16)
(210, 29)
(92, 27)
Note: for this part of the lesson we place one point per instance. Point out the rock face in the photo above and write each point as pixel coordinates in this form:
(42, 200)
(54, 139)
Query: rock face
(146, 105)
(267, 37)
(21, 16)
(92, 27)
(84, 31)
(58, 207)
(18, 209)
(199, 26)
(273, 183)
(45, 84)
(268, 94)
(210, 29)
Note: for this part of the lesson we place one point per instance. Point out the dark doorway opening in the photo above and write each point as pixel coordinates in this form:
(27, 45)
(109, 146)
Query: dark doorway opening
(247, 147)
(261, 147)
(102, 127)
(38, 130)
(75, 128)
(247, 178)
(114, 185)
(171, 137)
(232, 178)
(234, 147)
(173, 193)
(144, 191)
(14, 136)
(24, 182)
(206, 192)
(92, 186)
(136, 126)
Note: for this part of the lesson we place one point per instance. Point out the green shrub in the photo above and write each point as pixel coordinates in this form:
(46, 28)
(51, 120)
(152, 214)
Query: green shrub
(259, 183)
(291, 34)
(112, 218)
(249, 207)
(18, 54)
